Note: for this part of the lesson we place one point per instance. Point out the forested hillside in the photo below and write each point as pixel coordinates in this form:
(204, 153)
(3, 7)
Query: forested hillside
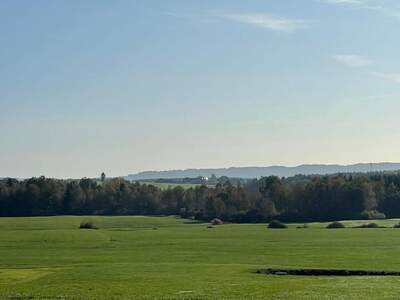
(299, 198)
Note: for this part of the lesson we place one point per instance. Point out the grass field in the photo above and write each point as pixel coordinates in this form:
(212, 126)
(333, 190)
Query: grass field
(170, 258)
(167, 185)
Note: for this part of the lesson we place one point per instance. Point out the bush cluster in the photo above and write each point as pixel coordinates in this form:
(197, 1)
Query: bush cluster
(305, 225)
(87, 225)
(275, 224)
(335, 225)
(217, 221)
(369, 225)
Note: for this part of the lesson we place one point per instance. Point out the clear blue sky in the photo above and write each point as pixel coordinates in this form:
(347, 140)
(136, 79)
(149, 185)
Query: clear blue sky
(125, 86)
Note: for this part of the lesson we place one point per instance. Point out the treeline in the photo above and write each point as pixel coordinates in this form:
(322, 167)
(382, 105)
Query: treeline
(299, 198)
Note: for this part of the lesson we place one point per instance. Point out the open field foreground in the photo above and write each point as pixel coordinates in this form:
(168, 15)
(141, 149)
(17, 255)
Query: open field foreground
(169, 258)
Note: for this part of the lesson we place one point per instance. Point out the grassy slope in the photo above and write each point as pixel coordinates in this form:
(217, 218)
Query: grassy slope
(127, 259)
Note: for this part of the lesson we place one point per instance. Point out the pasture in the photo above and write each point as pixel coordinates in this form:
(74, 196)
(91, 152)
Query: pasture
(168, 185)
(172, 258)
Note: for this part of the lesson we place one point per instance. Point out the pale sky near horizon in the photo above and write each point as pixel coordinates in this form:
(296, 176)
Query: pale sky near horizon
(125, 86)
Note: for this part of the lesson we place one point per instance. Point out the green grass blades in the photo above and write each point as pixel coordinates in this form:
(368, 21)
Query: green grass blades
(172, 258)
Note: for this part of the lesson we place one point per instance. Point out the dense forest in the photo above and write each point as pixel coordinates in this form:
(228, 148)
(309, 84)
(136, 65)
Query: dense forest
(298, 198)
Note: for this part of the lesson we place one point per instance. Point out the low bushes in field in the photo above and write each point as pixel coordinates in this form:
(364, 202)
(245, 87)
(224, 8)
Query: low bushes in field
(335, 225)
(396, 225)
(216, 221)
(87, 225)
(275, 224)
(369, 225)
(305, 225)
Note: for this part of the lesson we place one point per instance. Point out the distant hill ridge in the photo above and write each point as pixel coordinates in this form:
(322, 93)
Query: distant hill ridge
(254, 172)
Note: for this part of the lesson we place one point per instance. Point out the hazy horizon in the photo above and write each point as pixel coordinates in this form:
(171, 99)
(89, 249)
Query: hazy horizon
(374, 166)
(130, 86)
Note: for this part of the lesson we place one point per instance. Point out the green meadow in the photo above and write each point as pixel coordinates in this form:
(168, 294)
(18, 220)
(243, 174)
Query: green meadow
(172, 258)
(167, 185)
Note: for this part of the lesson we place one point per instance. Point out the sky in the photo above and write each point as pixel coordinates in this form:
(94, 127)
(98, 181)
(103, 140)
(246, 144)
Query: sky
(125, 86)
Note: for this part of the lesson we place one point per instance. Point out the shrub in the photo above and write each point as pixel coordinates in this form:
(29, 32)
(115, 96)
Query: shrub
(216, 221)
(305, 225)
(335, 225)
(87, 225)
(369, 225)
(396, 225)
(372, 215)
(274, 224)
